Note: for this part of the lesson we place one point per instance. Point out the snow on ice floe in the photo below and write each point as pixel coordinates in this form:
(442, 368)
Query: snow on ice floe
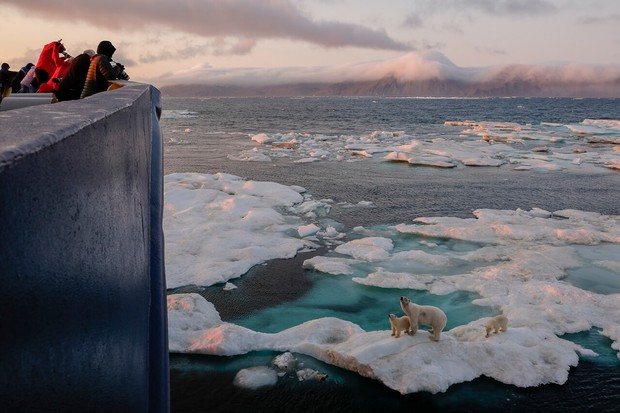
(514, 261)
(255, 377)
(178, 114)
(589, 144)
(521, 356)
(218, 226)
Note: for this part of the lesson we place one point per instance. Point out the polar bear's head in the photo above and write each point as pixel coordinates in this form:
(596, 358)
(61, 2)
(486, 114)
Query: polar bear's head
(392, 317)
(404, 301)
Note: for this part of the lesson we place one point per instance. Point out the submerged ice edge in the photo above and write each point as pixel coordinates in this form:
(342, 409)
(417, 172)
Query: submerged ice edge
(545, 147)
(530, 251)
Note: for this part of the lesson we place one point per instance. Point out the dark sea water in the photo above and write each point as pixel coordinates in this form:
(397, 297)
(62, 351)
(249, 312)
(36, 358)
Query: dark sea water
(200, 134)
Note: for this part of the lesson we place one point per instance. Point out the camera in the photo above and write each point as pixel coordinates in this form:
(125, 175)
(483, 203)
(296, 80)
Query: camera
(119, 69)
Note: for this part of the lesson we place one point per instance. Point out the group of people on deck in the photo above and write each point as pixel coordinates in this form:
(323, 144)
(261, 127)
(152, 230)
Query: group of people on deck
(65, 76)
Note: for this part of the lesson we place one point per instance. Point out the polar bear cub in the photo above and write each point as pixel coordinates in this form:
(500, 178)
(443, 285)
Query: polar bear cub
(399, 324)
(497, 323)
(424, 315)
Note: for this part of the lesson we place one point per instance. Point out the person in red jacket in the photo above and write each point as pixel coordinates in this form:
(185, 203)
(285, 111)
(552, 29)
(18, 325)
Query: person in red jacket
(49, 60)
(52, 84)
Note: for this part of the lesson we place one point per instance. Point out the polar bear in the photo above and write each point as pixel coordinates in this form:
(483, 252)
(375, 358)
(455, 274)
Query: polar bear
(424, 315)
(399, 324)
(497, 323)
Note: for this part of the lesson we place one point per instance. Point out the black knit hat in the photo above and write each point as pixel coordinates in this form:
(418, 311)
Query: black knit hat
(106, 48)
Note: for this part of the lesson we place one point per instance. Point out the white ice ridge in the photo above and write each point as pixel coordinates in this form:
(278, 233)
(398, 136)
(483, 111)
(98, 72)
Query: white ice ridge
(523, 356)
(218, 226)
(516, 261)
(589, 144)
(520, 265)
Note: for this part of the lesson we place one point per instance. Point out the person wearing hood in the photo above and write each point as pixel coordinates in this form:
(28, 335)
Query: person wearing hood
(51, 57)
(5, 79)
(72, 83)
(61, 70)
(100, 70)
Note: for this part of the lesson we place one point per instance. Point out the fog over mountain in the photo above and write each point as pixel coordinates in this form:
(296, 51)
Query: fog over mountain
(414, 74)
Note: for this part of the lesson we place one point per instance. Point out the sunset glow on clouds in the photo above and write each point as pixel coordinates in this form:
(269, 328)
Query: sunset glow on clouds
(162, 41)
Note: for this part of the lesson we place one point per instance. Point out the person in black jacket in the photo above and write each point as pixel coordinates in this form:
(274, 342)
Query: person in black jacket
(100, 70)
(72, 83)
(5, 78)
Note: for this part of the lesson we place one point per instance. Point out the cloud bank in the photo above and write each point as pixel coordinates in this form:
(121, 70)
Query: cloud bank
(246, 19)
(495, 8)
(502, 7)
(412, 74)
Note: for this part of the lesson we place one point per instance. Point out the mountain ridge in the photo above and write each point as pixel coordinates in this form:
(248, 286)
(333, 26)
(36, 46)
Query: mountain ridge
(501, 85)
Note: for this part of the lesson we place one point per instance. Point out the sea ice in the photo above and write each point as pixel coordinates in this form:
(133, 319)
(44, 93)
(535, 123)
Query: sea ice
(522, 356)
(310, 374)
(218, 226)
(255, 377)
(285, 362)
(262, 138)
(367, 249)
(541, 147)
(307, 230)
(229, 286)
(515, 262)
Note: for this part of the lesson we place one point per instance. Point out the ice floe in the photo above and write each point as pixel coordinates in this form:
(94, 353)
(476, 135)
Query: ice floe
(516, 262)
(592, 143)
(219, 226)
(522, 356)
(255, 377)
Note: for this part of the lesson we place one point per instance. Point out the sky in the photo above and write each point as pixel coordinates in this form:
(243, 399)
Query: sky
(163, 42)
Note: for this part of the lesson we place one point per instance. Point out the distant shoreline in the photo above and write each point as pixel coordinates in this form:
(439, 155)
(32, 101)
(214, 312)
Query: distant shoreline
(390, 87)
